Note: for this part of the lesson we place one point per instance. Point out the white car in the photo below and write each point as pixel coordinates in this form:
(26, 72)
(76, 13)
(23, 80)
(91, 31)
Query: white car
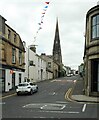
(26, 87)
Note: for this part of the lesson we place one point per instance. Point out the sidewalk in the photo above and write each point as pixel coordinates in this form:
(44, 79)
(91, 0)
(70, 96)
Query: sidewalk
(77, 94)
(8, 93)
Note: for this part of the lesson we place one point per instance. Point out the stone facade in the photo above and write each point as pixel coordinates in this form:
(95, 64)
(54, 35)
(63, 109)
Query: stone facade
(51, 67)
(12, 59)
(91, 54)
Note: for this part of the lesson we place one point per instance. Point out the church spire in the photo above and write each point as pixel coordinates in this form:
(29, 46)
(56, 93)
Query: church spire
(57, 47)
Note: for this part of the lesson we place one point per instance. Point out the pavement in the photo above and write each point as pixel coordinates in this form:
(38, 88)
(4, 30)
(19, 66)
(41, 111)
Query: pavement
(76, 94)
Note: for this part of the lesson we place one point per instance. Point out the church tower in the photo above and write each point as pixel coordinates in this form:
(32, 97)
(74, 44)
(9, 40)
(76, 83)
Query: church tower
(57, 57)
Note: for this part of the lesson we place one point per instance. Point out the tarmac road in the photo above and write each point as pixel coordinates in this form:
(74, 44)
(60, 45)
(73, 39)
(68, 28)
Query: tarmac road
(49, 102)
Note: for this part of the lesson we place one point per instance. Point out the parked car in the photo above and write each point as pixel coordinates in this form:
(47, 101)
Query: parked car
(26, 87)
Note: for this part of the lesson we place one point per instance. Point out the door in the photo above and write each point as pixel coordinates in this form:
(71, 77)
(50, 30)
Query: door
(13, 80)
(94, 75)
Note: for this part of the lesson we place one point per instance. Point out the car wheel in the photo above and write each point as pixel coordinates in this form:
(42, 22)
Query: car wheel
(31, 92)
(36, 89)
(18, 94)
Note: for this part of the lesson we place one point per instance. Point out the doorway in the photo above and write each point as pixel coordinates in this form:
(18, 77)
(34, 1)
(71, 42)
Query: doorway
(95, 75)
(13, 80)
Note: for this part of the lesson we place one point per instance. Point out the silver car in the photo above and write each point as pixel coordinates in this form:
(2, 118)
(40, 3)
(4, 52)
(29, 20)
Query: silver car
(26, 87)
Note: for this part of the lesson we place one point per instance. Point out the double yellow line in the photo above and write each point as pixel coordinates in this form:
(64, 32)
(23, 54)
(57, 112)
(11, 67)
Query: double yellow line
(68, 95)
(7, 96)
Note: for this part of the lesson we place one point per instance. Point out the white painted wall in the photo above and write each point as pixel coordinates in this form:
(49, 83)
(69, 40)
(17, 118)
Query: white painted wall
(30, 71)
(8, 78)
(34, 71)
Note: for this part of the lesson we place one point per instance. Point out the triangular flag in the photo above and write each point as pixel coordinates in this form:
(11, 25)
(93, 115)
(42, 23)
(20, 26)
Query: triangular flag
(47, 2)
(44, 9)
(43, 13)
(46, 6)
(39, 28)
(39, 23)
(42, 16)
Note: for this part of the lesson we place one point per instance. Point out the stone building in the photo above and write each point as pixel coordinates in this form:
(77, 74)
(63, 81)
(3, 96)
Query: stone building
(91, 53)
(51, 66)
(12, 58)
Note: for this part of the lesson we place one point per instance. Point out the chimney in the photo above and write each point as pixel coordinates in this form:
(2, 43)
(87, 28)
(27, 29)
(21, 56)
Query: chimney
(33, 48)
(98, 3)
(43, 54)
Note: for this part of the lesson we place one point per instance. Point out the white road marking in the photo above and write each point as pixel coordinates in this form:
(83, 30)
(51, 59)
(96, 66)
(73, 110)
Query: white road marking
(63, 107)
(43, 106)
(75, 81)
(84, 107)
(62, 102)
(70, 112)
(53, 93)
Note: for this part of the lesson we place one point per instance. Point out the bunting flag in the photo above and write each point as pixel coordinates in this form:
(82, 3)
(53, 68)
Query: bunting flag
(47, 2)
(46, 6)
(39, 23)
(42, 17)
(43, 13)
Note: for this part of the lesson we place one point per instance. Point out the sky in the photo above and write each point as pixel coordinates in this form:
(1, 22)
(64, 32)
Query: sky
(24, 17)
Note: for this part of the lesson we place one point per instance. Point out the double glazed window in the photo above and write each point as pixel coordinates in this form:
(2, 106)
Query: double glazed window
(95, 27)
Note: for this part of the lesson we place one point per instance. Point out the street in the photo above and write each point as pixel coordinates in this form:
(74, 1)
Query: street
(49, 102)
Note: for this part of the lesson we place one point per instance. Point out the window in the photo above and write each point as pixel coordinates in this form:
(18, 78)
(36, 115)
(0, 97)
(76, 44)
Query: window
(95, 26)
(20, 57)
(9, 34)
(13, 55)
(31, 63)
(14, 37)
(49, 64)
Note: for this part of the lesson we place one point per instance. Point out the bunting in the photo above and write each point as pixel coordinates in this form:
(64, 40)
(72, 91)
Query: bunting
(47, 2)
(42, 17)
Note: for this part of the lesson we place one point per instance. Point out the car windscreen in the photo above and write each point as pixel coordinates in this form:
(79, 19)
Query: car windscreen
(23, 84)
